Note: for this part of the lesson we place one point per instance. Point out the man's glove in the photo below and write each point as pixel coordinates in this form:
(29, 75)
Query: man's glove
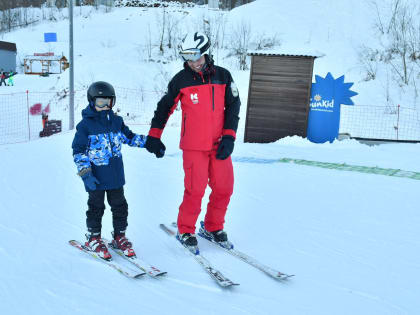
(225, 148)
(88, 178)
(155, 145)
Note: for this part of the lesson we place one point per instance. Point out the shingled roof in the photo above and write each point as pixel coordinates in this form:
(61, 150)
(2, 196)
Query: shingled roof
(8, 46)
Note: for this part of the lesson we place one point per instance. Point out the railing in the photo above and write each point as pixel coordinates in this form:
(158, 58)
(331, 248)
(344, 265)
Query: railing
(17, 124)
(381, 122)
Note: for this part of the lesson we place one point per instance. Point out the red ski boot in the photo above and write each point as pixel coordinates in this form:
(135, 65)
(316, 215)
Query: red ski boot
(122, 243)
(95, 244)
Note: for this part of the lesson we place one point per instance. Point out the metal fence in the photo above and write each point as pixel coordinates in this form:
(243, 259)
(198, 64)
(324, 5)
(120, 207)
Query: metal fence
(18, 123)
(137, 106)
(381, 122)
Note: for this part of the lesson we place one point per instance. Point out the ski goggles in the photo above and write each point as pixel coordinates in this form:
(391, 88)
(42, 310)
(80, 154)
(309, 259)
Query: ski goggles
(102, 102)
(191, 54)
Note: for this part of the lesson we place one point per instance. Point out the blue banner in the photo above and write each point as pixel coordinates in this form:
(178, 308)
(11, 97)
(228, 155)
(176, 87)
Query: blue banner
(327, 94)
(50, 37)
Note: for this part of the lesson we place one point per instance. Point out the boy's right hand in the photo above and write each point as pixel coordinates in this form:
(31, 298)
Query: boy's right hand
(90, 180)
(155, 145)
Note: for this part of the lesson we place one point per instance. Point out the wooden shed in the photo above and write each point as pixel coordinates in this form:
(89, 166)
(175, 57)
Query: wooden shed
(45, 64)
(278, 96)
(8, 54)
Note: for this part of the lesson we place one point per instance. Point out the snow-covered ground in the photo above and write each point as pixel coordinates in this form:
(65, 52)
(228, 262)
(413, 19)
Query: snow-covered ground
(351, 239)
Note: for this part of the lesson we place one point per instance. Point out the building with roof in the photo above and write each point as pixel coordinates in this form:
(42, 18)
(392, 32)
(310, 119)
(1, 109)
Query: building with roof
(278, 96)
(8, 54)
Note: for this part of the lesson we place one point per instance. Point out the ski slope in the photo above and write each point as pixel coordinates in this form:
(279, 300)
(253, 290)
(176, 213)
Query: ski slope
(351, 239)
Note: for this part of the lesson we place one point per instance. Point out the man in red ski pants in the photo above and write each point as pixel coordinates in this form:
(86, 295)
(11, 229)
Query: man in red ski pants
(210, 113)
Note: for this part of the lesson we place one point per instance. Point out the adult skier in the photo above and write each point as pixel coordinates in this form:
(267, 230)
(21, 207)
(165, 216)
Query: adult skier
(210, 113)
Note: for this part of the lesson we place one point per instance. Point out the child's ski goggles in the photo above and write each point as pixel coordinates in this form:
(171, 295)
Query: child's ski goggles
(191, 54)
(102, 102)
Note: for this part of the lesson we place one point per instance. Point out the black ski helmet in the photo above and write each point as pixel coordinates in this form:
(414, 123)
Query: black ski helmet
(100, 89)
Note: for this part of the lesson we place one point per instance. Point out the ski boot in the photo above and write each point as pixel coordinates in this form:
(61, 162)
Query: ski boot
(95, 244)
(119, 241)
(189, 241)
(219, 237)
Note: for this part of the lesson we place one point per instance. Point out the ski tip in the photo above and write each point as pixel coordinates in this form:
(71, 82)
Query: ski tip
(283, 276)
(139, 275)
(159, 274)
(229, 284)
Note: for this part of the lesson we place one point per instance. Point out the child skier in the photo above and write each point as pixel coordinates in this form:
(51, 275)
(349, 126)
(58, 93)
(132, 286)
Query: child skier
(10, 81)
(2, 78)
(97, 154)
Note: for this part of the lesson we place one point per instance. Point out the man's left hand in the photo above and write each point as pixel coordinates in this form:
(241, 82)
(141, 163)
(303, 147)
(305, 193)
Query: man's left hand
(225, 148)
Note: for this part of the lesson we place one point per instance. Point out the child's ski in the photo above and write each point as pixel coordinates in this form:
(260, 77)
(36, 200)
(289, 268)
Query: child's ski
(125, 271)
(139, 263)
(208, 267)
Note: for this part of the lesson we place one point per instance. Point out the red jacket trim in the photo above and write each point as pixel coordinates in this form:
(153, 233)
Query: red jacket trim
(155, 132)
(229, 132)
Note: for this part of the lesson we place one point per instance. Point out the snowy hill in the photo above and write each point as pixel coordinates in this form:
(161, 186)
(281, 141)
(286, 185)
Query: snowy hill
(350, 238)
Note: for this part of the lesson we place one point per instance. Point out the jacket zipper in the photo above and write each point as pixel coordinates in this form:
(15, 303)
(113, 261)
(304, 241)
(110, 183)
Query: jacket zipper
(212, 96)
(109, 136)
(185, 124)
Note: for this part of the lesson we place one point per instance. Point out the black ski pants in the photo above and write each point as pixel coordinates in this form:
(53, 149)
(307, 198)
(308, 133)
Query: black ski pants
(96, 203)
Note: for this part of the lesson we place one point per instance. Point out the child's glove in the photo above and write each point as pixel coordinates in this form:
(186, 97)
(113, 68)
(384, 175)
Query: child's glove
(225, 148)
(88, 178)
(155, 145)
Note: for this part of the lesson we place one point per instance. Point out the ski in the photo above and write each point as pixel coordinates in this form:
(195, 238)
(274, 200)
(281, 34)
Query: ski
(152, 271)
(248, 259)
(126, 272)
(208, 267)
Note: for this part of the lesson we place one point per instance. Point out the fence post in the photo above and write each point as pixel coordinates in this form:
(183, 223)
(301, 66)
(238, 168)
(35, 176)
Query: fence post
(398, 119)
(27, 107)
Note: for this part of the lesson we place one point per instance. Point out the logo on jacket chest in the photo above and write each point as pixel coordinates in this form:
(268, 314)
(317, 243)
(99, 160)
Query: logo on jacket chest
(194, 98)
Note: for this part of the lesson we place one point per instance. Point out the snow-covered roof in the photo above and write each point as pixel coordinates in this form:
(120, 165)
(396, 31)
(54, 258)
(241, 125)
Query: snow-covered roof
(51, 58)
(294, 53)
(8, 46)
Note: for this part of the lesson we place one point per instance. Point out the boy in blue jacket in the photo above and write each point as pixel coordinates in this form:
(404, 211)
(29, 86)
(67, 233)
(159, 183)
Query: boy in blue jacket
(97, 154)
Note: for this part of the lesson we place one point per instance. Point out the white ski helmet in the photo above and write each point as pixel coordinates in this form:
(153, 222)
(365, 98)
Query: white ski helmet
(194, 45)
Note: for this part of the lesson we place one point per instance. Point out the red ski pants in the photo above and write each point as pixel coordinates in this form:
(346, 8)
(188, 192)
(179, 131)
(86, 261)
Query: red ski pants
(202, 168)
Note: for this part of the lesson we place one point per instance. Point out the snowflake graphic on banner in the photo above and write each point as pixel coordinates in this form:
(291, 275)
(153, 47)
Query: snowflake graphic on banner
(327, 94)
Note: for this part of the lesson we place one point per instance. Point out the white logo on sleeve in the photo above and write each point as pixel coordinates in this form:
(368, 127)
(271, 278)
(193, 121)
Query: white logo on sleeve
(194, 98)
(234, 89)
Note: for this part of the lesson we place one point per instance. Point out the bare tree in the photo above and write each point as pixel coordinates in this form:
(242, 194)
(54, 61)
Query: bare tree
(399, 45)
(161, 24)
(240, 43)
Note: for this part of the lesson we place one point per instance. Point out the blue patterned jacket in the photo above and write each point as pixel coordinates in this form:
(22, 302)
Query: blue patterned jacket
(97, 145)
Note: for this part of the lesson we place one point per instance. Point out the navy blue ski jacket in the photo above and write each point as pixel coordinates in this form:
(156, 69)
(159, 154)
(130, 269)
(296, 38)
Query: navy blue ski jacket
(97, 146)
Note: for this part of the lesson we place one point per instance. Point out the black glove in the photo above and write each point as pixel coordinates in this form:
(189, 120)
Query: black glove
(155, 145)
(225, 148)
